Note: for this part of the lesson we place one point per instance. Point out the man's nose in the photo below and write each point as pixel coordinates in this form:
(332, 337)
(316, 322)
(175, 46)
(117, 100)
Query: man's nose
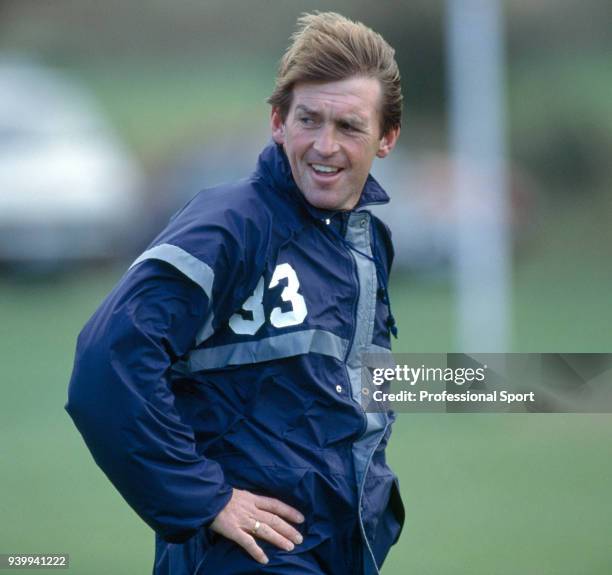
(325, 143)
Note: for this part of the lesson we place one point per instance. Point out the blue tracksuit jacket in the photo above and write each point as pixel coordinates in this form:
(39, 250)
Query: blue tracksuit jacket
(229, 355)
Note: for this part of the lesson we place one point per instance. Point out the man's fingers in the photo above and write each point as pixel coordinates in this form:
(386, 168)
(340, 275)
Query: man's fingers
(248, 517)
(248, 543)
(268, 534)
(279, 508)
(280, 526)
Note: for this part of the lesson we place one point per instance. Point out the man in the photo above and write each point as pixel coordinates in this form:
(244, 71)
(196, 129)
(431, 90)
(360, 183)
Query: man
(218, 386)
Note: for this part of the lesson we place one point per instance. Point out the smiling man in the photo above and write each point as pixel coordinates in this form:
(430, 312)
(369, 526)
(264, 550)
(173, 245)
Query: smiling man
(219, 384)
(331, 135)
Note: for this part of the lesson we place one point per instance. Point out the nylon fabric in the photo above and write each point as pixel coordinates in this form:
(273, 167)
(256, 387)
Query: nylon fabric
(196, 270)
(179, 403)
(268, 349)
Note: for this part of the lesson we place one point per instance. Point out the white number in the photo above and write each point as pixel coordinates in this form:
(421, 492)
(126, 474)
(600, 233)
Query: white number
(296, 315)
(254, 304)
(278, 317)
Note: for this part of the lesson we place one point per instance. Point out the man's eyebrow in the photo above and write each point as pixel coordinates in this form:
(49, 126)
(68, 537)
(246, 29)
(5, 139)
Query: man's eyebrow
(351, 118)
(306, 109)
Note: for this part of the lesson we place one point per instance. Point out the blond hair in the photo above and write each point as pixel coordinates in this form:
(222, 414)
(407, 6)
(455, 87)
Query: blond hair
(328, 47)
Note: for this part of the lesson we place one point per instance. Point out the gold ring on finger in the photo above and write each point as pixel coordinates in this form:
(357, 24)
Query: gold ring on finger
(256, 526)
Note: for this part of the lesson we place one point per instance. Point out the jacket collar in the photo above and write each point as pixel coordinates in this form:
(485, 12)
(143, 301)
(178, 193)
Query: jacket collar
(273, 166)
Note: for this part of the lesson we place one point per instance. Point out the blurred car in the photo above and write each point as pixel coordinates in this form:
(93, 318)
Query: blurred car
(69, 190)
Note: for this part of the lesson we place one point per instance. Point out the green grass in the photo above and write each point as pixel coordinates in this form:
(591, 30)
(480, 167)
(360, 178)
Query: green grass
(502, 494)
(54, 499)
(485, 494)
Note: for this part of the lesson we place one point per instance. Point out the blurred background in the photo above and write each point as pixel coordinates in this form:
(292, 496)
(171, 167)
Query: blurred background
(113, 115)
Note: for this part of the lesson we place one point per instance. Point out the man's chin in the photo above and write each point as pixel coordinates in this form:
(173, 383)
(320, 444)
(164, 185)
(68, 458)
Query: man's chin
(325, 200)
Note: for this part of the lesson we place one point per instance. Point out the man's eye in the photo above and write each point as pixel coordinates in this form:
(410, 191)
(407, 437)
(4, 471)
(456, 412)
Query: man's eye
(306, 121)
(347, 127)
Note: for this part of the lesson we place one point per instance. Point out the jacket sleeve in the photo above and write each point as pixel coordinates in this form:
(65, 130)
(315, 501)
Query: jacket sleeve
(120, 396)
(120, 400)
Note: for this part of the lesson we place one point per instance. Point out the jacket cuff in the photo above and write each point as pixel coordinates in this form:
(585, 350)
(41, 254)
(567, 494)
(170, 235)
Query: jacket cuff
(223, 498)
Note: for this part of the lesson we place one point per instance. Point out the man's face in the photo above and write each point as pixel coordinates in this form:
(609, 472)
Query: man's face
(331, 136)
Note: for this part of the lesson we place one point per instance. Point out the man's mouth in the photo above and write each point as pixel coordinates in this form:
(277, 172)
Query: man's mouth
(325, 171)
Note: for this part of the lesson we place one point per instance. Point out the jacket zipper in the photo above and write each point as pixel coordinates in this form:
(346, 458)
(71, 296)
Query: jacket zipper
(360, 496)
(364, 417)
(361, 486)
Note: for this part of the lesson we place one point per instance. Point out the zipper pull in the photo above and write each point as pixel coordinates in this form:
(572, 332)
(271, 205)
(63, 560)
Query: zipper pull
(391, 325)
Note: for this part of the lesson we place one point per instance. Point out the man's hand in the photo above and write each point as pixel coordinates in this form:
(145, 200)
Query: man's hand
(247, 516)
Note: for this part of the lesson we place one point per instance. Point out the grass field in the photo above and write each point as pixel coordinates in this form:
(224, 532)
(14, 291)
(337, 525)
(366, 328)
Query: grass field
(485, 494)
(489, 494)
(511, 494)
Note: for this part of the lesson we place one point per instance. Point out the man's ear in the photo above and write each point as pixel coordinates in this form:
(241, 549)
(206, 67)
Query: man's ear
(387, 142)
(278, 126)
